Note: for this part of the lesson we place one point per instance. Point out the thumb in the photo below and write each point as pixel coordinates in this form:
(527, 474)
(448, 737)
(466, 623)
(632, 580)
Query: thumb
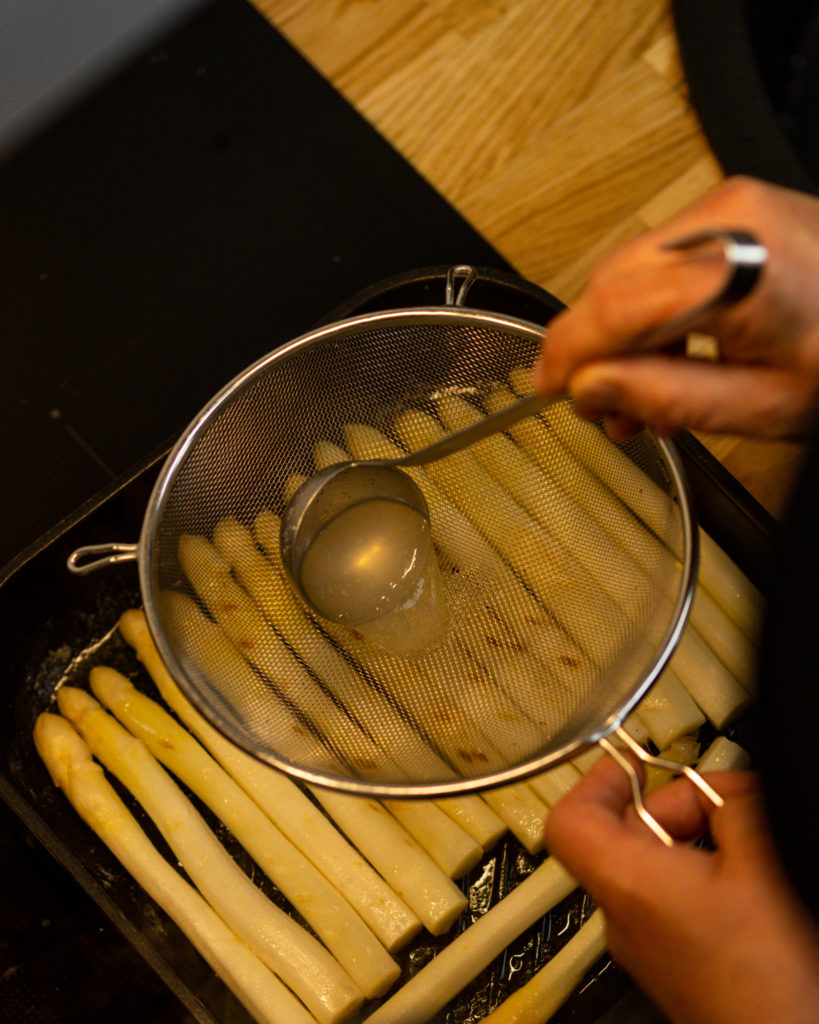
(669, 394)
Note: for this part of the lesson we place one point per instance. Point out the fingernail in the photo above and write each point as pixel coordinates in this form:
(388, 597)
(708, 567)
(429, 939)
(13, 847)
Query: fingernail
(537, 374)
(601, 394)
(541, 377)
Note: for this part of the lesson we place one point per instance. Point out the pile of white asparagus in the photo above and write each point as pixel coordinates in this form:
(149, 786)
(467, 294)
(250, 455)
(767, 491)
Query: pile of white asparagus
(366, 878)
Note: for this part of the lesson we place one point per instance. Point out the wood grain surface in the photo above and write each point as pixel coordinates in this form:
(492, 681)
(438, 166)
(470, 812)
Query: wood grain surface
(559, 128)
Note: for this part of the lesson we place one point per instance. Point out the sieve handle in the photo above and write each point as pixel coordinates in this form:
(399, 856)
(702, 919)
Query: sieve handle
(469, 435)
(96, 556)
(658, 762)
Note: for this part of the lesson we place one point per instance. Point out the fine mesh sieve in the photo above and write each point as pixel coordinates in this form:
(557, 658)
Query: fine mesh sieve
(566, 562)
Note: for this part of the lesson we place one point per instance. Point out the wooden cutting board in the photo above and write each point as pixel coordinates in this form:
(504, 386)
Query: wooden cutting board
(559, 128)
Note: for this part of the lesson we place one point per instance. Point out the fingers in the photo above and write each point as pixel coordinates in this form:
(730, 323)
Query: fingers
(770, 337)
(589, 830)
(620, 308)
(686, 813)
(595, 832)
(668, 394)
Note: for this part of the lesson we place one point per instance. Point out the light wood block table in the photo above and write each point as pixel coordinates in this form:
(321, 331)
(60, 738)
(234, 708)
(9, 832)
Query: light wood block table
(558, 128)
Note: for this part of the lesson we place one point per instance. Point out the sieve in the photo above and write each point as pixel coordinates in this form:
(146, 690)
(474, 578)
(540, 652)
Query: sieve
(556, 625)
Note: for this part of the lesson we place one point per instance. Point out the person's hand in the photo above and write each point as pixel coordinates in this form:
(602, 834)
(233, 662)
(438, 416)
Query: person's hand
(766, 382)
(711, 936)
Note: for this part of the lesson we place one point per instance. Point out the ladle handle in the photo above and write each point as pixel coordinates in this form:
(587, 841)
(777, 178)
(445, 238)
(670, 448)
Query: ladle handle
(469, 435)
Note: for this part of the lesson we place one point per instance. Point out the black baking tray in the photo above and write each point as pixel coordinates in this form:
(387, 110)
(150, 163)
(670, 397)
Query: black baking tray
(57, 626)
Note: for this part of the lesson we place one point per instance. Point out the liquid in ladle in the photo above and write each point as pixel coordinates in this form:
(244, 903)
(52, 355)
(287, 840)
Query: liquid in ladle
(374, 567)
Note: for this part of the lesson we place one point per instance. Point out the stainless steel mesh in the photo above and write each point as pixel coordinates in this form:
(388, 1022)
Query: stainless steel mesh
(566, 562)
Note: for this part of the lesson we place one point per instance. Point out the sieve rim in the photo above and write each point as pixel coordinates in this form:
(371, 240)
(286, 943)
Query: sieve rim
(174, 462)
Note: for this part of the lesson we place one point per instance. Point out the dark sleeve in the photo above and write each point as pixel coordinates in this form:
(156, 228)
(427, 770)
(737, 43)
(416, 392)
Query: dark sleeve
(787, 747)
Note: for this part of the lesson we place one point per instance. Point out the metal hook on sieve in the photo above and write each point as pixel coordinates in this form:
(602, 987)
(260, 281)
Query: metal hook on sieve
(658, 762)
(96, 556)
(469, 275)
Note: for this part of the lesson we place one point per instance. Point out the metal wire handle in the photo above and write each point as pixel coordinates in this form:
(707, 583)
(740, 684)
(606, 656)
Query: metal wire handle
(658, 762)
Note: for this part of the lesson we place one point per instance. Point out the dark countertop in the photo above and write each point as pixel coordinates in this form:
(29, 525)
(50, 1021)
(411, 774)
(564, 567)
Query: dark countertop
(214, 200)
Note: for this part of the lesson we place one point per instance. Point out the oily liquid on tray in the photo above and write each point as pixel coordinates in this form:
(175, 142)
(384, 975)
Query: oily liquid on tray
(374, 567)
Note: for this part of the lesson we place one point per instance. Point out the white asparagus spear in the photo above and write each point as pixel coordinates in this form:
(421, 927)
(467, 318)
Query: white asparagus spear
(707, 679)
(543, 995)
(386, 844)
(308, 891)
(477, 561)
(453, 849)
(420, 998)
(69, 762)
(722, 634)
(725, 638)
(410, 872)
(668, 710)
(553, 784)
(283, 802)
(526, 811)
(726, 582)
(724, 755)
(301, 962)
(475, 817)
(450, 846)
(587, 614)
(718, 693)
(719, 574)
